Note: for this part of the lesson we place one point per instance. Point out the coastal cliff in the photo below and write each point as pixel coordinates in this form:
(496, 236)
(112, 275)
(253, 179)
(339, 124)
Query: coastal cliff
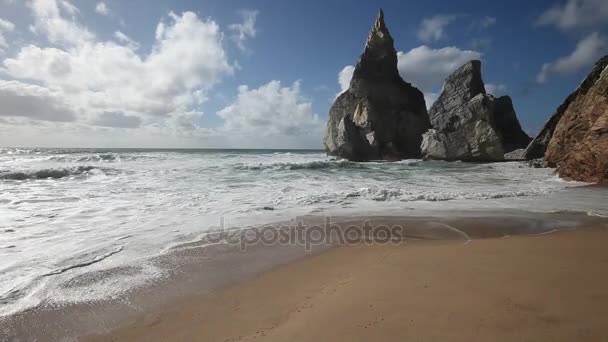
(575, 138)
(380, 116)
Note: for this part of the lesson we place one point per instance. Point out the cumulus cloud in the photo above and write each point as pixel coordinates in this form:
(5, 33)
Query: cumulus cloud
(271, 110)
(344, 77)
(427, 68)
(430, 98)
(5, 26)
(433, 29)
(55, 19)
(34, 102)
(102, 8)
(575, 14)
(245, 30)
(185, 61)
(496, 89)
(587, 51)
(123, 38)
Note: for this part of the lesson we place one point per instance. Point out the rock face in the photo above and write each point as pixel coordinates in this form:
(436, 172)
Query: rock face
(579, 143)
(574, 102)
(380, 116)
(512, 135)
(470, 125)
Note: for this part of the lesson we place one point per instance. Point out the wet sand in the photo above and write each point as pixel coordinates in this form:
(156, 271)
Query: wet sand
(551, 287)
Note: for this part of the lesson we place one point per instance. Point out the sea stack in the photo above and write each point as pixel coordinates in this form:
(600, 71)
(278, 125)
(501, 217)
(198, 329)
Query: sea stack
(575, 138)
(380, 116)
(469, 124)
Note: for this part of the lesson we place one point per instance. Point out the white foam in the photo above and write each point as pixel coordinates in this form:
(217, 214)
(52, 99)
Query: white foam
(133, 205)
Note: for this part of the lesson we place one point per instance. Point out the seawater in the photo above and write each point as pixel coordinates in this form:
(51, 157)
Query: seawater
(66, 214)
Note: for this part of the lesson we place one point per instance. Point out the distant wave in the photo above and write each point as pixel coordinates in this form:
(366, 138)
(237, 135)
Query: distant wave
(102, 157)
(311, 165)
(47, 173)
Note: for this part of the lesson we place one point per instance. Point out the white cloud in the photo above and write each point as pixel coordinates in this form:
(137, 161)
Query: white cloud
(123, 38)
(102, 8)
(430, 98)
(244, 30)
(272, 112)
(50, 20)
(587, 51)
(32, 101)
(344, 77)
(575, 14)
(5, 26)
(432, 29)
(427, 68)
(185, 61)
(496, 89)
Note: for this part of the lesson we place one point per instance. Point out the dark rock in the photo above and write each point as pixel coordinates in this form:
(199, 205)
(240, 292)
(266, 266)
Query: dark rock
(579, 143)
(538, 146)
(508, 127)
(459, 88)
(469, 124)
(380, 116)
(540, 163)
(463, 120)
(469, 136)
(517, 155)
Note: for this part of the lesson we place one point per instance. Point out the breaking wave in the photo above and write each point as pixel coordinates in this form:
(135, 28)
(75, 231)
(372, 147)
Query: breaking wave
(48, 173)
(94, 158)
(381, 195)
(312, 165)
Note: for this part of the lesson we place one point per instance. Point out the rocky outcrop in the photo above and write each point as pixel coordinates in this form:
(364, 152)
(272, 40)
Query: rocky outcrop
(538, 146)
(511, 134)
(380, 116)
(469, 124)
(517, 155)
(579, 143)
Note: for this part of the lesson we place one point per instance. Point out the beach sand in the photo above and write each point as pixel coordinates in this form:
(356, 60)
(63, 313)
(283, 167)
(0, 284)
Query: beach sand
(550, 287)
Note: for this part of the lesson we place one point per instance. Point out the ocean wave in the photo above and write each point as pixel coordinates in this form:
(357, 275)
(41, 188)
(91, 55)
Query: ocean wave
(96, 259)
(94, 158)
(309, 165)
(387, 194)
(47, 173)
(316, 165)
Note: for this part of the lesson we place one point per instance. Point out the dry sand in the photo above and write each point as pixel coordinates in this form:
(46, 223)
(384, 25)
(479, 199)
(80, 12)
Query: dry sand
(528, 288)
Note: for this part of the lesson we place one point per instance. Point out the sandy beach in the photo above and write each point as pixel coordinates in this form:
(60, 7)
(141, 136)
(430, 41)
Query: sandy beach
(550, 287)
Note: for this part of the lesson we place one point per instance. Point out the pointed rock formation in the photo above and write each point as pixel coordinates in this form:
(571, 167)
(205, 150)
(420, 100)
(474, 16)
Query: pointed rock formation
(576, 137)
(380, 116)
(470, 125)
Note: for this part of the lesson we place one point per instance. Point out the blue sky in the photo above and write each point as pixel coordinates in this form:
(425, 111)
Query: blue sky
(263, 73)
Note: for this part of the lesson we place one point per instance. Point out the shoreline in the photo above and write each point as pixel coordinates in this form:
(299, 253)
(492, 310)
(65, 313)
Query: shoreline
(197, 270)
(421, 290)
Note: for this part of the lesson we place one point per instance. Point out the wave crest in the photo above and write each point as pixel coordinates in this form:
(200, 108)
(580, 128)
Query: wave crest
(94, 158)
(310, 165)
(47, 173)
(387, 194)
